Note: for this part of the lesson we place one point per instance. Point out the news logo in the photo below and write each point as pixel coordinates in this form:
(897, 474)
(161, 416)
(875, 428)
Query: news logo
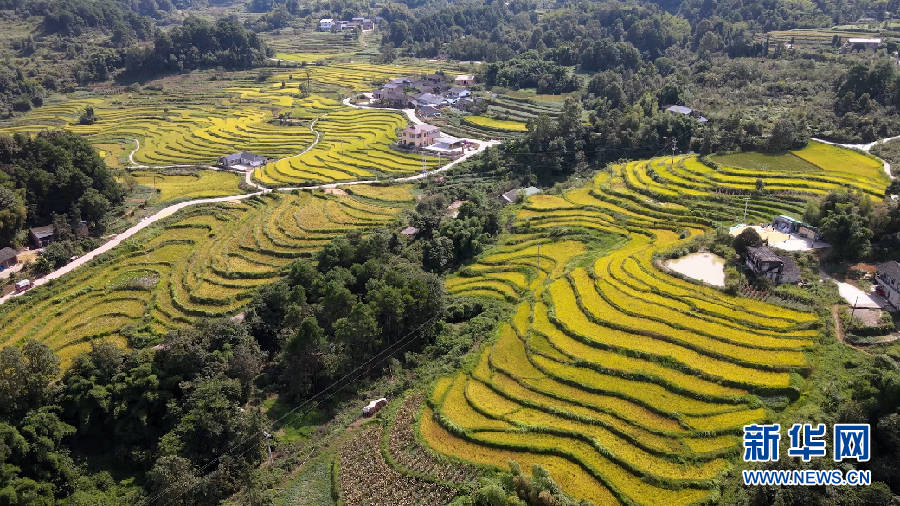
(850, 441)
(761, 442)
(807, 442)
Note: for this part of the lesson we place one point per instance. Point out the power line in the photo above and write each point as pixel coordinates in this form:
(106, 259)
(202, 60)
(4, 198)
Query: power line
(399, 344)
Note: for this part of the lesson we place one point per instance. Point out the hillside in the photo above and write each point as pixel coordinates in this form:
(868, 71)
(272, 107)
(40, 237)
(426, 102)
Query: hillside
(636, 382)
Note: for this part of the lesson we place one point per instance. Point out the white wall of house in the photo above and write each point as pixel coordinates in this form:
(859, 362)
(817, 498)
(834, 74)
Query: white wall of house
(891, 289)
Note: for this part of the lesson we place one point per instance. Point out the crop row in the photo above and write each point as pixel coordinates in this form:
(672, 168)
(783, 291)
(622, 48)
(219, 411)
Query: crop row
(613, 370)
(204, 262)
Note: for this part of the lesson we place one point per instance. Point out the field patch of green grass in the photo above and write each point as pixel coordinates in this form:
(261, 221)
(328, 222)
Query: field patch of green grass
(292, 425)
(785, 162)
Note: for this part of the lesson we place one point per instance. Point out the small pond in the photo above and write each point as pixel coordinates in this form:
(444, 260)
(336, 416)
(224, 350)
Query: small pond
(705, 267)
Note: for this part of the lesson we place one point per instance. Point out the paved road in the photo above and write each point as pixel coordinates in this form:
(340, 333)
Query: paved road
(853, 295)
(9, 271)
(119, 238)
(410, 113)
(170, 210)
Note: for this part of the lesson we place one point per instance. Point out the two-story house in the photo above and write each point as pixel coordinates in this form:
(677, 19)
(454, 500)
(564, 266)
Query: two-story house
(888, 278)
(419, 136)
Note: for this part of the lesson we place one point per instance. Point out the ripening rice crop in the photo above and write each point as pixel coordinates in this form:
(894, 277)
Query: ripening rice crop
(495, 124)
(640, 379)
(837, 161)
(174, 186)
(203, 262)
(565, 473)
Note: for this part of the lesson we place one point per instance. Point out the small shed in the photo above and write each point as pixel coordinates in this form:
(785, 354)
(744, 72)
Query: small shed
(42, 236)
(8, 257)
(687, 111)
(510, 196)
(374, 406)
(448, 145)
(786, 224)
(409, 231)
(241, 160)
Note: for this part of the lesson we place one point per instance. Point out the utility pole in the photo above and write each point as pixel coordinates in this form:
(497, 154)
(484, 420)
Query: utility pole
(269, 446)
(673, 153)
(853, 312)
(539, 259)
(308, 90)
(746, 202)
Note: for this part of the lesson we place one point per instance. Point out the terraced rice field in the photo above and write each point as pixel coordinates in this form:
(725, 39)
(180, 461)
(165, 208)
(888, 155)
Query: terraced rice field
(353, 144)
(496, 124)
(309, 57)
(170, 187)
(183, 125)
(815, 159)
(202, 262)
(627, 383)
(359, 76)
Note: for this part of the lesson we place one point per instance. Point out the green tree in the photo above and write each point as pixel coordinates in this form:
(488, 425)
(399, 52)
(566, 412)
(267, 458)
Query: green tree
(87, 116)
(748, 237)
(847, 231)
(12, 215)
(299, 362)
(26, 374)
(93, 207)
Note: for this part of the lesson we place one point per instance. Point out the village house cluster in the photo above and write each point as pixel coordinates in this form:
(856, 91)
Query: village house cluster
(428, 95)
(860, 44)
(337, 25)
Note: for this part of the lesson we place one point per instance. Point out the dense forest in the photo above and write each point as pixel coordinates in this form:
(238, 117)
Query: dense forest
(78, 42)
(624, 56)
(198, 44)
(160, 414)
(360, 298)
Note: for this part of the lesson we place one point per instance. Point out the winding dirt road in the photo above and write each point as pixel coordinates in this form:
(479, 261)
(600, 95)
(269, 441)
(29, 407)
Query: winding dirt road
(174, 208)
